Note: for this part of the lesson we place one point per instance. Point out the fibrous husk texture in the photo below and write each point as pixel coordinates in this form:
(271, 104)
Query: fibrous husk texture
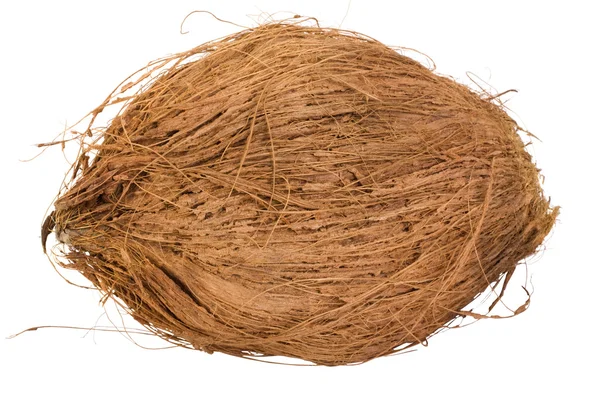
(301, 192)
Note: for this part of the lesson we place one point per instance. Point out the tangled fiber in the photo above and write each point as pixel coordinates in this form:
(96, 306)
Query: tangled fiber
(299, 191)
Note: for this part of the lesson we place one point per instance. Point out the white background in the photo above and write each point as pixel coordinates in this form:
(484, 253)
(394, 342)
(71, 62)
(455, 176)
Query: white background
(60, 59)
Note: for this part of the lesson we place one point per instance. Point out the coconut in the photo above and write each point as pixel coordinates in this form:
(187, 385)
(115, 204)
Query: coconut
(299, 191)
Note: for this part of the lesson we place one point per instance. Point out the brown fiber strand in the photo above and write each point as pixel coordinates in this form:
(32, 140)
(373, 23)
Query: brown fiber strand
(297, 191)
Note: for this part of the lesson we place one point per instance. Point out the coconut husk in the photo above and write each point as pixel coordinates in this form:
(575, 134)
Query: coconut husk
(299, 191)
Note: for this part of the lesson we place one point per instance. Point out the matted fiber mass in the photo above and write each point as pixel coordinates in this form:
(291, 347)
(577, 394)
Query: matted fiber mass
(302, 192)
